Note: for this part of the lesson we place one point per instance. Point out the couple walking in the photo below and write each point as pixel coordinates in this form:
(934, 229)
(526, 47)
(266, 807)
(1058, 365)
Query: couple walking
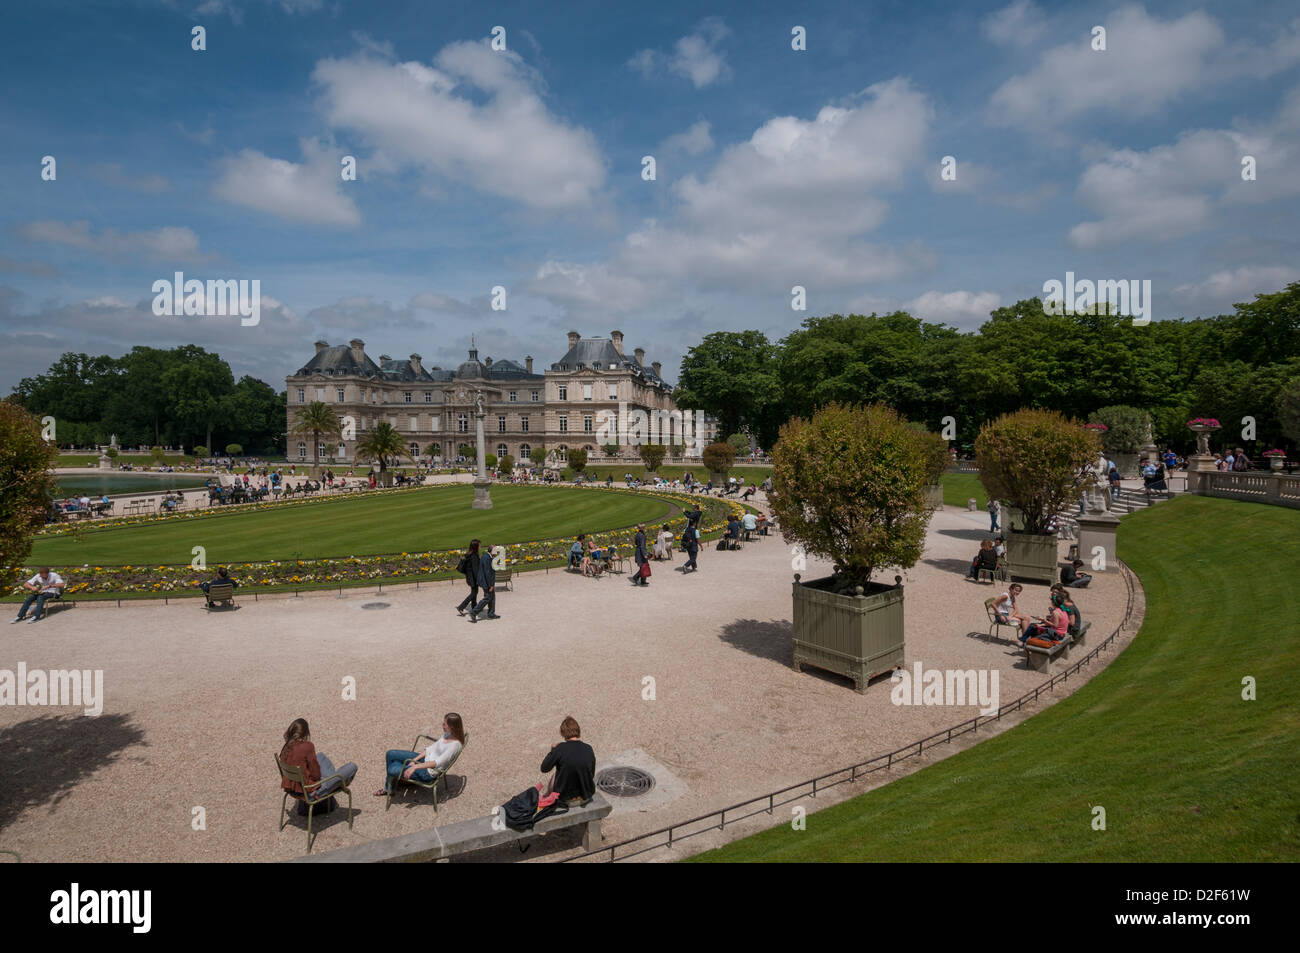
(479, 574)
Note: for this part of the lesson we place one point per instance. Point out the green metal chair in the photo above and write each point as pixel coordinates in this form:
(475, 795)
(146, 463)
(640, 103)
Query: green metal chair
(312, 795)
(432, 783)
(995, 620)
(220, 592)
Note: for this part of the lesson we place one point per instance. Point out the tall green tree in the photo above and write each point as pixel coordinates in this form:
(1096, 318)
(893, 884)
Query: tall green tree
(26, 486)
(732, 375)
(318, 420)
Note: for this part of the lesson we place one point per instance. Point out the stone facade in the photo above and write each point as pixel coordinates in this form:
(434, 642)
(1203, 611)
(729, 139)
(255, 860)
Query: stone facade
(594, 394)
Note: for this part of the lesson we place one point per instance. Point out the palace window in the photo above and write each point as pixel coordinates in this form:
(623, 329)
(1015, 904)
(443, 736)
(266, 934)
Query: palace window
(302, 450)
(340, 392)
(564, 423)
(502, 450)
(514, 396)
(564, 392)
(536, 396)
(433, 423)
(613, 391)
(523, 423)
(406, 396)
(525, 452)
(501, 423)
(414, 448)
(428, 397)
(415, 423)
(462, 423)
(320, 393)
(586, 391)
(302, 395)
(587, 424)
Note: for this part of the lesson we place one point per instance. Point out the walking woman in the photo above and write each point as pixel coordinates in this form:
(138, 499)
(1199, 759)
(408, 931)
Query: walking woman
(468, 566)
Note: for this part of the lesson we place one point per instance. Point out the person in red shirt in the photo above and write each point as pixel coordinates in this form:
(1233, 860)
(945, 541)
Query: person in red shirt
(299, 752)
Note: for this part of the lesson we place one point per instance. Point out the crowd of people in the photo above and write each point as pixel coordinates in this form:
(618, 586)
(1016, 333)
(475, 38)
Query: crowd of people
(1062, 618)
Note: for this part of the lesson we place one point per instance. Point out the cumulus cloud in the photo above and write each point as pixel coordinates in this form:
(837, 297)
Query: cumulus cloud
(1148, 63)
(791, 205)
(954, 307)
(476, 117)
(169, 243)
(694, 141)
(1018, 24)
(310, 191)
(1218, 292)
(1187, 186)
(695, 56)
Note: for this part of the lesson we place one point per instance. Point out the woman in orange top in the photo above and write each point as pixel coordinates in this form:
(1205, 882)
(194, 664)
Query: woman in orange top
(299, 752)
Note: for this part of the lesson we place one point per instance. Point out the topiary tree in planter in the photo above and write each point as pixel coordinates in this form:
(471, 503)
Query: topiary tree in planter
(234, 449)
(490, 461)
(110, 452)
(849, 486)
(158, 454)
(506, 463)
(719, 458)
(1035, 460)
(578, 460)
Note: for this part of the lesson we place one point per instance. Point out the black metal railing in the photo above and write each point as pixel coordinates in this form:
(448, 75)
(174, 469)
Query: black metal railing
(717, 820)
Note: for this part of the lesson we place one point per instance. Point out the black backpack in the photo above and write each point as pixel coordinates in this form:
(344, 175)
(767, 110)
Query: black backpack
(462, 567)
(521, 813)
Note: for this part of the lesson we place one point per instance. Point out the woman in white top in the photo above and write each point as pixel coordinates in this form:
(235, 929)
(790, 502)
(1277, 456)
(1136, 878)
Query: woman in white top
(437, 756)
(664, 543)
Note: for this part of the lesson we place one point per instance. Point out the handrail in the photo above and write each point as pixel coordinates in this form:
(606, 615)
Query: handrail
(718, 819)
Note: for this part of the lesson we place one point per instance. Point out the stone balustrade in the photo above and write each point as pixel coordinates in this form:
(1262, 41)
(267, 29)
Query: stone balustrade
(1261, 486)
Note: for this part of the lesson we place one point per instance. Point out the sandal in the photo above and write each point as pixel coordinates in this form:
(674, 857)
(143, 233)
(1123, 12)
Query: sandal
(381, 793)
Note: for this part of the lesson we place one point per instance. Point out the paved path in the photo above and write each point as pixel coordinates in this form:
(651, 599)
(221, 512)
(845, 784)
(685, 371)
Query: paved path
(196, 702)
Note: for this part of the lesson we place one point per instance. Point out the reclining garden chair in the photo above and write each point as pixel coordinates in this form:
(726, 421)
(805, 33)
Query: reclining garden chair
(313, 794)
(995, 620)
(435, 776)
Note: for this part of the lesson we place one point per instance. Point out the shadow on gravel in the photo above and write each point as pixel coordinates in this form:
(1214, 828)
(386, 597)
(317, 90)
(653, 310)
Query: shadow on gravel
(769, 640)
(961, 566)
(43, 759)
(971, 534)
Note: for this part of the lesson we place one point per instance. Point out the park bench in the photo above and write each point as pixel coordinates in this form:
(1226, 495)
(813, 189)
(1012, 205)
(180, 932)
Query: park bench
(1040, 657)
(505, 579)
(441, 843)
(1079, 637)
(220, 592)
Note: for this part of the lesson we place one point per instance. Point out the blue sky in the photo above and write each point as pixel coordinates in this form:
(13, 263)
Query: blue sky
(523, 168)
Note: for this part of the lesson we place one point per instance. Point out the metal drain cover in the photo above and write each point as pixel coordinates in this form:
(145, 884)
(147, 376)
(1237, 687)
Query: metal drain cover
(375, 605)
(625, 782)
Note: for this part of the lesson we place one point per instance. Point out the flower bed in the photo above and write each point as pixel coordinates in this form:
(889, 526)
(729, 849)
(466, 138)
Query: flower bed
(358, 570)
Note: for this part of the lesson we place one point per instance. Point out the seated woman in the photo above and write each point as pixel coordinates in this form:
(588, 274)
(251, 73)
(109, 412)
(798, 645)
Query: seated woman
(593, 564)
(299, 752)
(1071, 610)
(664, 543)
(1007, 609)
(986, 558)
(1054, 627)
(436, 757)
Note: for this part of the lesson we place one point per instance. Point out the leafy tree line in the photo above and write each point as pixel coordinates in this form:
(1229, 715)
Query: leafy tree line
(182, 396)
(1227, 366)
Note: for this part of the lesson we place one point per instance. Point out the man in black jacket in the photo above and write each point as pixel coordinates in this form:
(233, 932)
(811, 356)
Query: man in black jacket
(468, 566)
(691, 541)
(487, 581)
(641, 557)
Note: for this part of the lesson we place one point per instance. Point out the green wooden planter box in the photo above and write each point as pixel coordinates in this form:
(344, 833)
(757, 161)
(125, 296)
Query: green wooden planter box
(859, 637)
(934, 497)
(1031, 556)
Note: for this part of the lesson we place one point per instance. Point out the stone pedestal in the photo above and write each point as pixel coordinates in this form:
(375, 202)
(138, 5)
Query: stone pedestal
(1197, 466)
(1098, 530)
(482, 495)
(105, 462)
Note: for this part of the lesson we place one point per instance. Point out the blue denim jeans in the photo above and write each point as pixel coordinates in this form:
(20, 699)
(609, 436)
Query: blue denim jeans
(37, 597)
(396, 760)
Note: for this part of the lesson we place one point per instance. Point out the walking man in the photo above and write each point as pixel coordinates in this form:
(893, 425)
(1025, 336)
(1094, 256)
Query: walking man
(641, 557)
(691, 540)
(487, 581)
(993, 516)
(468, 567)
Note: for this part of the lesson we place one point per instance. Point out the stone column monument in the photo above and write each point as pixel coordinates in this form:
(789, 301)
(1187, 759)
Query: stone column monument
(482, 485)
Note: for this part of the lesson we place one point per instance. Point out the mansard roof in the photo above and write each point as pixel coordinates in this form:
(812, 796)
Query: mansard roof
(405, 372)
(600, 353)
(339, 361)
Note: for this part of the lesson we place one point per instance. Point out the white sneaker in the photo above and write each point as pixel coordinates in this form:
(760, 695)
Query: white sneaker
(33, 619)
(17, 619)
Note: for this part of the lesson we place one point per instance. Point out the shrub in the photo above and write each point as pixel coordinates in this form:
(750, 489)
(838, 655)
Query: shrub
(937, 456)
(1034, 460)
(740, 443)
(849, 485)
(111, 453)
(652, 455)
(1127, 428)
(158, 454)
(467, 450)
(578, 460)
(25, 462)
(490, 460)
(234, 449)
(719, 457)
(506, 462)
(610, 449)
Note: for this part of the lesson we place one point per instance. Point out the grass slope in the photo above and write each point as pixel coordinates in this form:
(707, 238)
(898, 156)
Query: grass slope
(958, 488)
(1162, 739)
(412, 521)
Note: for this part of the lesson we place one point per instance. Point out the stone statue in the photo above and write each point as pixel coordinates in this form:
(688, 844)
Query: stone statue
(1099, 492)
(478, 403)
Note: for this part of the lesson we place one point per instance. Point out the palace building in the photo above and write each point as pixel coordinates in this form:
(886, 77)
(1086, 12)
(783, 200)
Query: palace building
(585, 399)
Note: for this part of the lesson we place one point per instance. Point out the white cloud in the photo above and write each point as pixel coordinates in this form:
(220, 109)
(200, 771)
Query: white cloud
(311, 191)
(694, 141)
(791, 206)
(1020, 24)
(1147, 64)
(1217, 293)
(476, 118)
(954, 307)
(1187, 186)
(695, 56)
(107, 301)
(168, 243)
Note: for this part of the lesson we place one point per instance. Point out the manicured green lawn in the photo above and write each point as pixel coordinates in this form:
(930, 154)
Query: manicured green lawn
(433, 519)
(1185, 768)
(958, 488)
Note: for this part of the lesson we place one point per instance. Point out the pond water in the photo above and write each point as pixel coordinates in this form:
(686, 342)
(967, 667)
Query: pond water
(94, 484)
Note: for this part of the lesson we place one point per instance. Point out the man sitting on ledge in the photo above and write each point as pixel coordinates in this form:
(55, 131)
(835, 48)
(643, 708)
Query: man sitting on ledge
(574, 763)
(1070, 576)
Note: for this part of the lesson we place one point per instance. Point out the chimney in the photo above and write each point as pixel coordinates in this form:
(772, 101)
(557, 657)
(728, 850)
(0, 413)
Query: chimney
(617, 338)
(656, 366)
(528, 363)
(358, 347)
(640, 355)
(384, 358)
(574, 336)
(415, 363)
(321, 345)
